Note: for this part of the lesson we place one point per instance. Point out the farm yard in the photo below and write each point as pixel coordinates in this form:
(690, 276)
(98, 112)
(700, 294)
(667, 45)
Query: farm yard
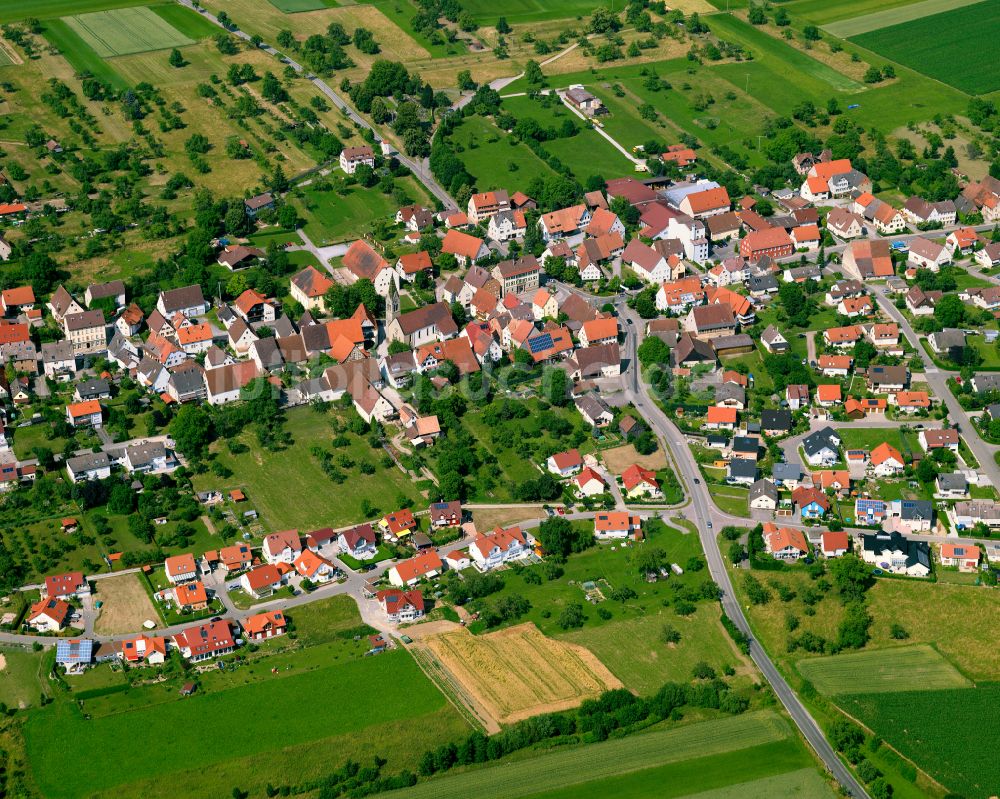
(518, 672)
(125, 605)
(882, 671)
(952, 46)
(671, 762)
(126, 30)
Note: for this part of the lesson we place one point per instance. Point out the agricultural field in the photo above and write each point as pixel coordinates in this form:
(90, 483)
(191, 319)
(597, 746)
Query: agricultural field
(893, 12)
(520, 11)
(285, 715)
(882, 671)
(670, 762)
(295, 6)
(945, 732)
(953, 47)
(288, 486)
(126, 30)
(16, 10)
(517, 672)
(126, 605)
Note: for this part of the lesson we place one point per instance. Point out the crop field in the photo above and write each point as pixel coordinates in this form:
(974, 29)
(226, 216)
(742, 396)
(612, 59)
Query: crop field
(126, 605)
(288, 710)
(643, 760)
(882, 670)
(953, 47)
(14, 10)
(126, 30)
(519, 672)
(517, 11)
(885, 17)
(945, 732)
(805, 782)
(289, 488)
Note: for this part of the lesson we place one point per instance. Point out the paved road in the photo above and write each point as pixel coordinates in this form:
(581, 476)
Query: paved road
(420, 168)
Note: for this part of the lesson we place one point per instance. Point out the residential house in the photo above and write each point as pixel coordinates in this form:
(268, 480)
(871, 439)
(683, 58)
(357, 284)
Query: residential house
(828, 395)
(205, 641)
(797, 396)
(282, 547)
(887, 379)
(589, 483)
(359, 542)
(313, 567)
(48, 615)
(868, 259)
(835, 365)
(964, 556)
(422, 325)
(834, 544)
(921, 212)
(648, 264)
(822, 447)
(784, 543)
(844, 224)
(61, 304)
(594, 410)
(565, 222)
(181, 568)
(773, 340)
(86, 332)
(308, 288)
(143, 649)
(931, 440)
(265, 625)
(895, 553)
(401, 606)
(771, 242)
(813, 503)
(886, 461)
(720, 418)
(85, 414)
(262, 581)
(353, 157)
(90, 466)
(70, 585)
(565, 464)
(951, 486)
(927, 254)
(499, 547)
(638, 482)
(364, 263)
(189, 596)
(518, 277)
(763, 495)
(507, 226)
(741, 471)
(485, 204)
(188, 301)
(617, 524)
(445, 514)
(776, 422)
(260, 202)
(426, 565)
(397, 525)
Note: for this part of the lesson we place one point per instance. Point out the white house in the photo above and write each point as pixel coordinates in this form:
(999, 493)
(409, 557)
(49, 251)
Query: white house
(499, 547)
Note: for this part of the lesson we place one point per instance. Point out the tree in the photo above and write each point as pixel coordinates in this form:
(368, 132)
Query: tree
(465, 81)
(757, 15)
(191, 429)
(811, 32)
(503, 26)
(533, 73)
(572, 616)
(176, 59)
(559, 538)
(949, 311)
(851, 576)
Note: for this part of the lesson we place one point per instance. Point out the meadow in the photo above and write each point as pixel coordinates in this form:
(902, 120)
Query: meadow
(674, 761)
(881, 671)
(287, 711)
(945, 732)
(495, 159)
(14, 10)
(126, 30)
(953, 47)
(295, 6)
(522, 11)
(289, 488)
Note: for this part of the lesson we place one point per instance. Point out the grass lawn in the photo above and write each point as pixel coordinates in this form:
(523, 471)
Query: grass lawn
(587, 153)
(79, 54)
(754, 363)
(380, 554)
(942, 731)
(188, 22)
(346, 212)
(289, 488)
(21, 678)
(287, 711)
(600, 563)
(870, 437)
(729, 749)
(882, 670)
(493, 158)
(730, 499)
(634, 653)
(949, 47)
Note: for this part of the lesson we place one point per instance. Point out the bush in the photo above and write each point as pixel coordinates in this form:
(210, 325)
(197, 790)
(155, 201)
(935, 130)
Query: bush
(669, 634)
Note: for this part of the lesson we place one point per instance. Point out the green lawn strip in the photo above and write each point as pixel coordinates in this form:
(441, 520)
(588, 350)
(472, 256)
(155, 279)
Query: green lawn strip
(185, 21)
(353, 563)
(285, 713)
(79, 54)
(882, 670)
(289, 488)
(14, 10)
(730, 499)
(944, 732)
(521, 11)
(578, 767)
(633, 650)
(950, 47)
(22, 677)
(494, 158)
(887, 15)
(870, 437)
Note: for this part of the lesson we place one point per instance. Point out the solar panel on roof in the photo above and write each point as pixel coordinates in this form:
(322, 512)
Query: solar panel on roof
(539, 343)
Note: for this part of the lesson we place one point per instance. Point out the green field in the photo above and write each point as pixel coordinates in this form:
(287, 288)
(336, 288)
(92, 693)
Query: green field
(879, 671)
(887, 16)
(14, 10)
(289, 488)
(286, 711)
(805, 783)
(945, 732)
(294, 6)
(495, 159)
(954, 47)
(21, 677)
(637, 765)
(126, 30)
(5, 59)
(187, 22)
(632, 649)
(346, 212)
